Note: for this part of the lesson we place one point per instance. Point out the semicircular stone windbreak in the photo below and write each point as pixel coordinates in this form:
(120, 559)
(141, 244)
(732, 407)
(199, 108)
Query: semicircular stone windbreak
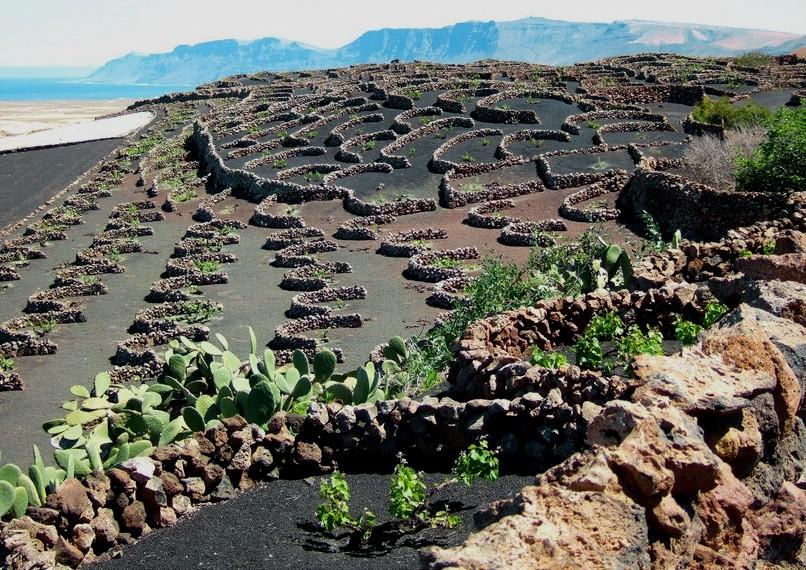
(366, 142)
(299, 254)
(527, 233)
(458, 195)
(363, 228)
(410, 242)
(488, 111)
(205, 213)
(264, 218)
(438, 265)
(388, 153)
(570, 209)
(401, 124)
(311, 303)
(715, 262)
(440, 165)
(284, 238)
(502, 150)
(648, 162)
(336, 136)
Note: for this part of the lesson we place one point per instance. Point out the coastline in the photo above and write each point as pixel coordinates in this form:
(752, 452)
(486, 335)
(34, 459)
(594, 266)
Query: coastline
(20, 117)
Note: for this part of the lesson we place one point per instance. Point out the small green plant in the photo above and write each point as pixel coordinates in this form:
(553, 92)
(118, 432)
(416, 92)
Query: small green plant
(408, 493)
(312, 134)
(334, 508)
(425, 120)
(196, 312)
(745, 253)
(485, 142)
(467, 157)
(6, 364)
(185, 195)
(369, 145)
(607, 326)
(207, 265)
(768, 248)
(279, 163)
(472, 187)
(44, 326)
(713, 312)
(600, 165)
(411, 152)
(551, 360)
(686, 331)
(594, 125)
(589, 354)
(445, 263)
(636, 342)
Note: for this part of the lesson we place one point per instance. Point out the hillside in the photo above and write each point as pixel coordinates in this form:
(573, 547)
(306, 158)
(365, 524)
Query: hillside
(535, 40)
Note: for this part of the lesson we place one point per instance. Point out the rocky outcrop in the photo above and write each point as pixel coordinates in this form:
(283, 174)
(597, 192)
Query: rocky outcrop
(671, 477)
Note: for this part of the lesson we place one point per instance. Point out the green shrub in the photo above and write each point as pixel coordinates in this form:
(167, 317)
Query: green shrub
(753, 59)
(589, 352)
(606, 326)
(713, 312)
(551, 360)
(686, 331)
(722, 112)
(636, 342)
(779, 163)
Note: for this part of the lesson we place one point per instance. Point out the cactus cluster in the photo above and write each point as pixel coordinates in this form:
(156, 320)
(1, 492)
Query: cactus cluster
(107, 426)
(18, 490)
(200, 384)
(209, 384)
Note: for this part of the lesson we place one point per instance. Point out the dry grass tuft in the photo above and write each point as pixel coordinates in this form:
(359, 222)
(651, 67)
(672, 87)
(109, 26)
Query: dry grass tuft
(713, 161)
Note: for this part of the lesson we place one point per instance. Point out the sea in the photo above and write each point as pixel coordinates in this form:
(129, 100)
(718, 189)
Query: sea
(54, 88)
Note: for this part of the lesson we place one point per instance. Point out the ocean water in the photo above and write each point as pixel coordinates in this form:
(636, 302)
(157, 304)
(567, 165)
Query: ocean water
(55, 88)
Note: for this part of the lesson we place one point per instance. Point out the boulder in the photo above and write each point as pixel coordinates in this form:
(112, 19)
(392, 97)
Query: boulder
(745, 344)
(106, 528)
(556, 528)
(697, 383)
(72, 501)
(785, 299)
(781, 526)
(67, 553)
(786, 267)
(134, 518)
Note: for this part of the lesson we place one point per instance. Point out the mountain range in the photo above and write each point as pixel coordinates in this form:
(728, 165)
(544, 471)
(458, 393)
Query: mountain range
(535, 40)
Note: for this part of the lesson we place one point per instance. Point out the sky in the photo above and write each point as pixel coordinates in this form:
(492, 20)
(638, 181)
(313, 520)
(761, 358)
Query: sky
(91, 32)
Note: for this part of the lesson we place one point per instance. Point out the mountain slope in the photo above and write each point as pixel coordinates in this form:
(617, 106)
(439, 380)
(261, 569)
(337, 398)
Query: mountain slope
(536, 40)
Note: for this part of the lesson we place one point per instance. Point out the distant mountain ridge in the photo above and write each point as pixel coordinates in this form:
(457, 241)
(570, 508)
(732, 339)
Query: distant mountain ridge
(536, 40)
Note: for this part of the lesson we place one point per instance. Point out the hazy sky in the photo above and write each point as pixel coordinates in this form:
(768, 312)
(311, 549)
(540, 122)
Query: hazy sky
(90, 32)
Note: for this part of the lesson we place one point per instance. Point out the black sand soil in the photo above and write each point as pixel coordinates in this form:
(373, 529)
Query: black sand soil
(30, 178)
(274, 526)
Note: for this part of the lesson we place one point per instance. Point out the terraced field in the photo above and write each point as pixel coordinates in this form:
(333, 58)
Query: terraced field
(334, 209)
